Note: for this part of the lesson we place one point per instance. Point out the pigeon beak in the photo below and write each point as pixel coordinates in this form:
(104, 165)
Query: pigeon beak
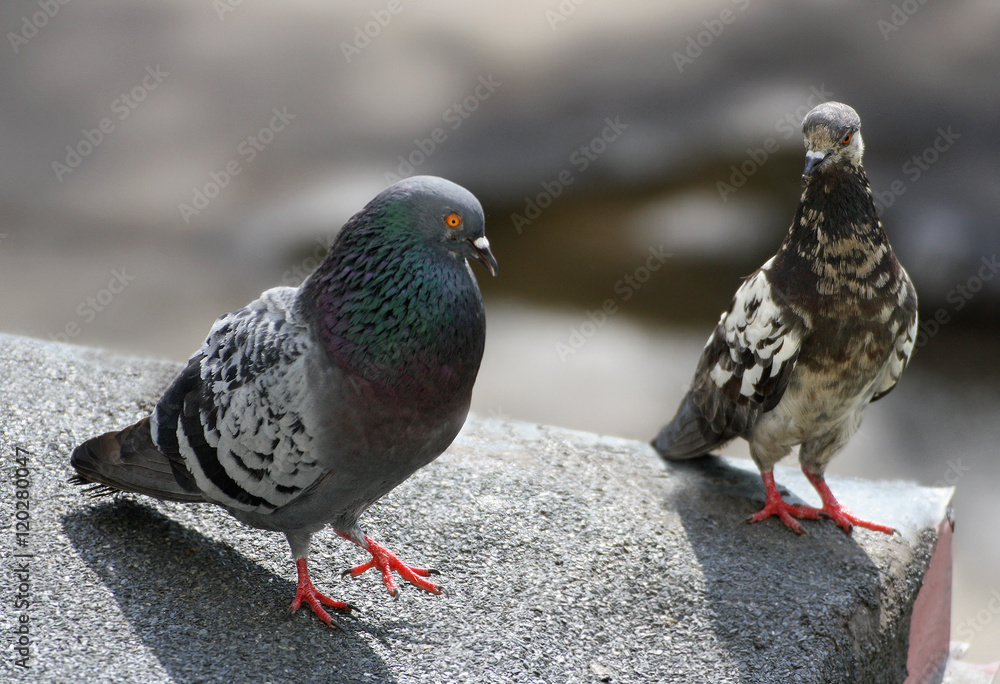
(813, 160)
(484, 255)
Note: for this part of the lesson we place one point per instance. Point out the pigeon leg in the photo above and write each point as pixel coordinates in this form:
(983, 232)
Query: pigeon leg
(839, 513)
(386, 561)
(306, 592)
(775, 505)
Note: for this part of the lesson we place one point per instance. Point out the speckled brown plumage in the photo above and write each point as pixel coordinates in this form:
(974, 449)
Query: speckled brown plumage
(818, 332)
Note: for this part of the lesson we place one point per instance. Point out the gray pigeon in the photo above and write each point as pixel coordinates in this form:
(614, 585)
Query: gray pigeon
(308, 405)
(826, 326)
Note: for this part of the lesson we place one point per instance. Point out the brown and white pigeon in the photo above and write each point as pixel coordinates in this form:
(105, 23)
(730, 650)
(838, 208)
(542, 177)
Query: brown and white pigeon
(826, 326)
(308, 405)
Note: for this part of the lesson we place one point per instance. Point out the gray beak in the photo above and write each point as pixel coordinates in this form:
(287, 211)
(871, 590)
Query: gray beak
(484, 255)
(813, 160)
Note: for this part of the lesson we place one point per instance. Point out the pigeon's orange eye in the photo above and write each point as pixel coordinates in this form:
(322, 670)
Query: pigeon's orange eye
(453, 220)
(847, 139)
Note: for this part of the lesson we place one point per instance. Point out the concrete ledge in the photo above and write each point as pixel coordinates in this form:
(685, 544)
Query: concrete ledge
(569, 557)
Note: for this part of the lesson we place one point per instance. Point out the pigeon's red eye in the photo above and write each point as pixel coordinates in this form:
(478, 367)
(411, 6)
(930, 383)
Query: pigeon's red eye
(847, 139)
(453, 220)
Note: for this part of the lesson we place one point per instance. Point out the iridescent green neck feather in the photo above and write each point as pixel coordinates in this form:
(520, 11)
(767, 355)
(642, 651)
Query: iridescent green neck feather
(397, 309)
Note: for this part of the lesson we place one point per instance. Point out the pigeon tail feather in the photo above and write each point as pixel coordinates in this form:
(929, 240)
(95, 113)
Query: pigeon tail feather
(128, 461)
(685, 436)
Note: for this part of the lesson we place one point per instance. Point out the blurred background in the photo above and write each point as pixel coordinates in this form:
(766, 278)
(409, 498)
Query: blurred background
(164, 162)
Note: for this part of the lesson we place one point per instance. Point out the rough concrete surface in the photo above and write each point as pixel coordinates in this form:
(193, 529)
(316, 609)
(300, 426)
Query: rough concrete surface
(568, 557)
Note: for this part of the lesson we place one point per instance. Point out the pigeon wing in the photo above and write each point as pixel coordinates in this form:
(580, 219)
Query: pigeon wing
(743, 372)
(906, 322)
(238, 418)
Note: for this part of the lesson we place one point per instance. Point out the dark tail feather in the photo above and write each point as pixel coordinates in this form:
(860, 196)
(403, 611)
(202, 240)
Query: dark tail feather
(686, 435)
(128, 461)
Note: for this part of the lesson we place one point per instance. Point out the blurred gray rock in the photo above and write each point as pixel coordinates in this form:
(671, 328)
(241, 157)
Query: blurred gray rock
(569, 557)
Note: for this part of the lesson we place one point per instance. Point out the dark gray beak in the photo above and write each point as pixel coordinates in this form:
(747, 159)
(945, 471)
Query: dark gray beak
(484, 255)
(813, 160)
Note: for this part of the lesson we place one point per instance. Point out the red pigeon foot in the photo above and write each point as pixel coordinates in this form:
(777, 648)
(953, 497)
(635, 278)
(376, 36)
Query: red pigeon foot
(839, 513)
(786, 512)
(386, 561)
(306, 592)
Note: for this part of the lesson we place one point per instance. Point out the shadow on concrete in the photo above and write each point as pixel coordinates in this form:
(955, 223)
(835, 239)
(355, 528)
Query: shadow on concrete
(811, 590)
(208, 613)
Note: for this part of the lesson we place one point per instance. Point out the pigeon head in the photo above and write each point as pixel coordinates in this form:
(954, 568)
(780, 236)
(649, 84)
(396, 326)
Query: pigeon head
(443, 212)
(833, 139)
(396, 301)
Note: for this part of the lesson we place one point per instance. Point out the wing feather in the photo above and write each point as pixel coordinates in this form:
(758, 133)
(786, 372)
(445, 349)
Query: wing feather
(904, 343)
(743, 371)
(239, 417)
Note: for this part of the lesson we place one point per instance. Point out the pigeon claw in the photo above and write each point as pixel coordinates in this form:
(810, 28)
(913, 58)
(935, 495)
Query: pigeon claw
(843, 517)
(306, 592)
(787, 513)
(777, 506)
(839, 513)
(386, 562)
